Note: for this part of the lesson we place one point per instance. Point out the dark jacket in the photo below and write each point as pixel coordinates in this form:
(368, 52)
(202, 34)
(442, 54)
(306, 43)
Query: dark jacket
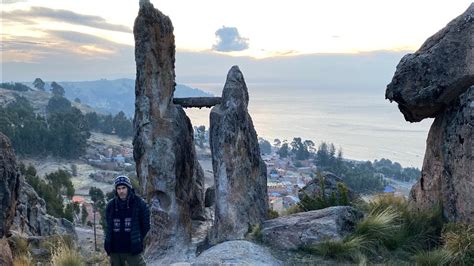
(140, 222)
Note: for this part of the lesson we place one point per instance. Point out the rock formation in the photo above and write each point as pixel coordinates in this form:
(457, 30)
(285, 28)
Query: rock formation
(9, 190)
(309, 228)
(331, 187)
(438, 81)
(240, 175)
(167, 168)
(237, 252)
(31, 218)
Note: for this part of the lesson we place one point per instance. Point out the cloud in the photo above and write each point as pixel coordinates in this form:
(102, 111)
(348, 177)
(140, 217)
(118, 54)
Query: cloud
(12, 1)
(63, 16)
(230, 40)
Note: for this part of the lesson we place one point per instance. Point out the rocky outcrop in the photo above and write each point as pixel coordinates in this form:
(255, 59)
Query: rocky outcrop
(309, 228)
(237, 252)
(447, 176)
(9, 191)
(331, 185)
(166, 163)
(437, 81)
(426, 82)
(31, 218)
(9, 185)
(240, 175)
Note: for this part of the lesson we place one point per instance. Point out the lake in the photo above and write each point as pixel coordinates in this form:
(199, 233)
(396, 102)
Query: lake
(363, 124)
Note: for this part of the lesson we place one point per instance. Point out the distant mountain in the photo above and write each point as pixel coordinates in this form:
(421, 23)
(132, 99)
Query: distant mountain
(113, 96)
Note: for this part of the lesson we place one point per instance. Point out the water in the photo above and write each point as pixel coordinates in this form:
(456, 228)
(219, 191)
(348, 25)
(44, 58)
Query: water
(364, 124)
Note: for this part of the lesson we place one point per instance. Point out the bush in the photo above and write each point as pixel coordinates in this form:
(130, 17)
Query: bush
(63, 252)
(292, 210)
(272, 214)
(348, 249)
(432, 258)
(255, 233)
(458, 240)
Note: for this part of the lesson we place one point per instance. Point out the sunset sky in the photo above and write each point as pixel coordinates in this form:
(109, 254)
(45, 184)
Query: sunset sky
(43, 37)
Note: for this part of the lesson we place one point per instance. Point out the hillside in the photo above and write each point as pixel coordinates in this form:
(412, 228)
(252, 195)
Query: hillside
(113, 96)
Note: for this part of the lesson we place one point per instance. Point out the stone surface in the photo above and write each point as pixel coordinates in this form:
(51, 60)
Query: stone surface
(240, 175)
(437, 81)
(210, 197)
(238, 252)
(447, 175)
(6, 258)
(9, 185)
(313, 188)
(164, 152)
(426, 81)
(308, 228)
(31, 218)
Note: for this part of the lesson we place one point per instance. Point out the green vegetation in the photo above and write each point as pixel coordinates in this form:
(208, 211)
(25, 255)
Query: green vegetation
(98, 197)
(14, 86)
(39, 84)
(51, 189)
(62, 133)
(361, 177)
(265, 146)
(321, 200)
(391, 232)
(108, 124)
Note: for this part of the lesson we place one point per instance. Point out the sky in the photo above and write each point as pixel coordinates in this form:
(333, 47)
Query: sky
(91, 39)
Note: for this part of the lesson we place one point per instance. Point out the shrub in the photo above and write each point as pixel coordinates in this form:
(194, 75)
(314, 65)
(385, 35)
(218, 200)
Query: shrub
(458, 240)
(292, 210)
(66, 256)
(255, 233)
(347, 249)
(272, 214)
(379, 227)
(23, 260)
(432, 258)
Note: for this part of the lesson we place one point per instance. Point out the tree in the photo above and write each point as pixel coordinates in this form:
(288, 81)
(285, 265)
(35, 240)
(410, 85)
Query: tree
(57, 89)
(265, 146)
(299, 149)
(58, 104)
(284, 150)
(122, 125)
(39, 84)
(276, 143)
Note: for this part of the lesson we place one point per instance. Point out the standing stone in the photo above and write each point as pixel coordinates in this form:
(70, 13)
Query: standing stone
(167, 168)
(438, 81)
(239, 172)
(9, 190)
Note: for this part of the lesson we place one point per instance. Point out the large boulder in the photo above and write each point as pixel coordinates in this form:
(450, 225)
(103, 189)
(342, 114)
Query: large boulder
(238, 252)
(330, 185)
(9, 192)
(240, 175)
(9, 185)
(31, 218)
(428, 80)
(437, 81)
(447, 177)
(166, 163)
(309, 228)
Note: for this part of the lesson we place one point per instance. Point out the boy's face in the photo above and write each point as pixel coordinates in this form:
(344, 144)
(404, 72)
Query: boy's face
(122, 191)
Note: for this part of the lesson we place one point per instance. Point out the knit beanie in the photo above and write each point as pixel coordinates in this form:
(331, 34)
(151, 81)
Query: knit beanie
(122, 180)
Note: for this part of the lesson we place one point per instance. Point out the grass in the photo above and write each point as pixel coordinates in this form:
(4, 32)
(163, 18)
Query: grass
(255, 233)
(392, 233)
(66, 256)
(348, 249)
(433, 258)
(23, 260)
(458, 240)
